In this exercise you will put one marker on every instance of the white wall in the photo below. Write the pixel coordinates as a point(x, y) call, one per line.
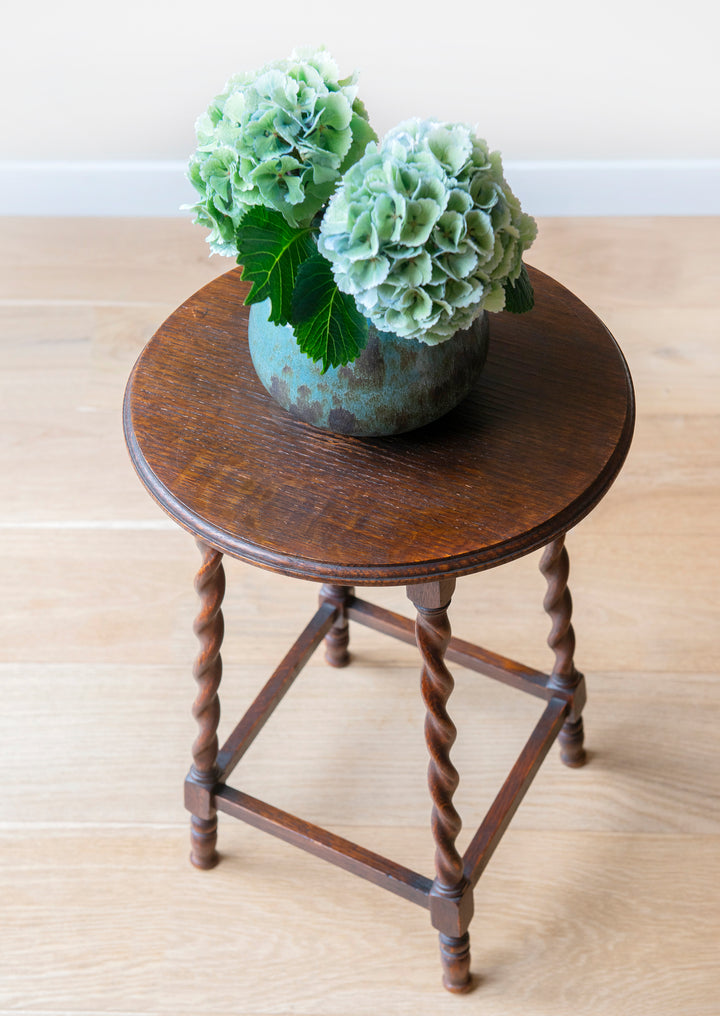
point(91, 89)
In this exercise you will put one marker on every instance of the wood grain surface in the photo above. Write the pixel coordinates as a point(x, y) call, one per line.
point(603, 897)
point(528, 454)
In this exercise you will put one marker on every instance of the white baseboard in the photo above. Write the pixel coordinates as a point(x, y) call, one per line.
point(94, 188)
point(619, 187)
point(561, 188)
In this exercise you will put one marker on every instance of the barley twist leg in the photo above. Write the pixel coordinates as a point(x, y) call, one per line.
point(451, 894)
point(433, 635)
point(555, 566)
point(207, 671)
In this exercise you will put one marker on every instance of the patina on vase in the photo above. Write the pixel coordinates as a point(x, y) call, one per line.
point(395, 385)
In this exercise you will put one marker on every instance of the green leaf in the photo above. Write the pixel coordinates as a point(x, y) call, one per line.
point(519, 295)
point(327, 324)
point(271, 252)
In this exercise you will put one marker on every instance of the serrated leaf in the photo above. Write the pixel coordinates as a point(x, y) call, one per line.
point(519, 295)
point(326, 322)
point(271, 251)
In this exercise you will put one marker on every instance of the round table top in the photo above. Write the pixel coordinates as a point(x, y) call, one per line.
point(529, 453)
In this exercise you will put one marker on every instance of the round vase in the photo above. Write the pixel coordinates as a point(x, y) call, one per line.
point(395, 385)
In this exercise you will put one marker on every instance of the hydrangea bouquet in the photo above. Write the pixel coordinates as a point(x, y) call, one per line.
point(417, 233)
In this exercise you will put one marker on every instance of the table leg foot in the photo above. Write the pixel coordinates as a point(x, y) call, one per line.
point(555, 566)
point(572, 751)
point(455, 958)
point(337, 639)
point(203, 840)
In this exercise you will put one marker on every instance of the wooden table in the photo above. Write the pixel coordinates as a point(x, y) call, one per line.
point(528, 454)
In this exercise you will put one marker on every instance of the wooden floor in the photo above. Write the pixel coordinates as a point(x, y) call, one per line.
point(604, 896)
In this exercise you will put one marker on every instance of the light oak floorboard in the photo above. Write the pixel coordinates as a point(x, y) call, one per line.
point(108, 595)
point(603, 898)
point(354, 746)
point(565, 922)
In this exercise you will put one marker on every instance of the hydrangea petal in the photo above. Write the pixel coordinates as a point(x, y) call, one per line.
point(364, 242)
point(414, 271)
point(450, 231)
point(459, 201)
point(450, 145)
point(279, 182)
point(267, 141)
point(480, 231)
point(387, 214)
point(369, 273)
point(420, 217)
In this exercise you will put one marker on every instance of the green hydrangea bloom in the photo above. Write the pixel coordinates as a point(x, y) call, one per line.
point(279, 137)
point(424, 231)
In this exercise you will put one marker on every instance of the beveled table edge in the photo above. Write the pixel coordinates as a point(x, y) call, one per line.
point(390, 574)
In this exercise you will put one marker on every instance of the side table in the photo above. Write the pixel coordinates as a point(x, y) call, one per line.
point(528, 454)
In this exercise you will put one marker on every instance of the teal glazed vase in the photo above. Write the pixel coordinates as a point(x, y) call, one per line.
point(395, 385)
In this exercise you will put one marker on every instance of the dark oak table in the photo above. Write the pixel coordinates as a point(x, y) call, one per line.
point(528, 454)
